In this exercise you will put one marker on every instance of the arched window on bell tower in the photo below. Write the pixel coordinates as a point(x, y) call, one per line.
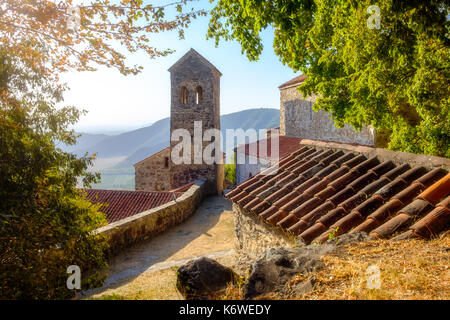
point(198, 95)
point(184, 95)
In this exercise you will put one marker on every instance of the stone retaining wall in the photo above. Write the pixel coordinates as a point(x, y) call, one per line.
point(254, 236)
point(148, 224)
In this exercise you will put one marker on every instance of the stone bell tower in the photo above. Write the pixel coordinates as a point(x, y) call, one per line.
point(195, 98)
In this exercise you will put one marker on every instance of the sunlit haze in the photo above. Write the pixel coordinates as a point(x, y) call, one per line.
point(116, 103)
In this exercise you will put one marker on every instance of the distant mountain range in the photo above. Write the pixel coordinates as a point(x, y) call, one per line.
point(132, 146)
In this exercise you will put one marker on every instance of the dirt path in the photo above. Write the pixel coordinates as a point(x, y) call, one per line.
point(147, 270)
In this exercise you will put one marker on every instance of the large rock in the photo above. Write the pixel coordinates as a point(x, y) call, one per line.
point(199, 278)
point(277, 266)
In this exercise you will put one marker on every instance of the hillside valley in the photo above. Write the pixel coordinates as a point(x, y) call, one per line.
point(116, 154)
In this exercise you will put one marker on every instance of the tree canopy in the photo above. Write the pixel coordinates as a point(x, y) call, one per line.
point(46, 223)
point(68, 35)
point(395, 77)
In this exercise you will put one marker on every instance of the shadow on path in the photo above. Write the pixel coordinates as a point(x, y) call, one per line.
point(208, 231)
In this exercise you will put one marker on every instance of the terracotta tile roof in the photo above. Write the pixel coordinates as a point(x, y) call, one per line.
point(286, 146)
point(183, 188)
point(122, 204)
point(316, 192)
point(296, 80)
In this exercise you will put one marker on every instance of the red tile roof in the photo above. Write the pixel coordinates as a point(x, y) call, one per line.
point(122, 204)
point(296, 80)
point(315, 192)
point(183, 188)
point(286, 146)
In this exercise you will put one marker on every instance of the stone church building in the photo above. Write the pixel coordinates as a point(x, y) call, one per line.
point(195, 96)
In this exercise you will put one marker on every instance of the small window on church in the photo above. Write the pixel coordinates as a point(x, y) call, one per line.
point(166, 162)
point(198, 95)
point(184, 95)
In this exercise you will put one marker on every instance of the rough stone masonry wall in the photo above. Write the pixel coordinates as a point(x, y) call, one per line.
point(190, 74)
point(298, 119)
point(148, 224)
point(151, 174)
point(254, 236)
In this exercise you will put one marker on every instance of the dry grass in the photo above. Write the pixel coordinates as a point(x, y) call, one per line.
point(157, 285)
point(154, 285)
point(412, 269)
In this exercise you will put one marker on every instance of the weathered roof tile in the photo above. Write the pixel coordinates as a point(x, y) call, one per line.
point(434, 222)
point(268, 212)
point(121, 204)
point(316, 192)
point(437, 190)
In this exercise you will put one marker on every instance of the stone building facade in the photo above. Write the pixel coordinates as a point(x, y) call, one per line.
point(153, 172)
point(298, 119)
point(195, 99)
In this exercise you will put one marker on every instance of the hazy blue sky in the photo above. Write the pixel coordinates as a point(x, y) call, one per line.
point(117, 103)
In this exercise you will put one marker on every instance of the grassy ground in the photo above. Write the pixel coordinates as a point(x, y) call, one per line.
point(155, 285)
point(413, 269)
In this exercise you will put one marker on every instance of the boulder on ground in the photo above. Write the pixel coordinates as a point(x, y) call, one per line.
point(273, 269)
point(202, 277)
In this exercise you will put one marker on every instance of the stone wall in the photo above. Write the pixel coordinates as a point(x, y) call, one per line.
point(254, 236)
point(152, 174)
point(298, 119)
point(148, 224)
